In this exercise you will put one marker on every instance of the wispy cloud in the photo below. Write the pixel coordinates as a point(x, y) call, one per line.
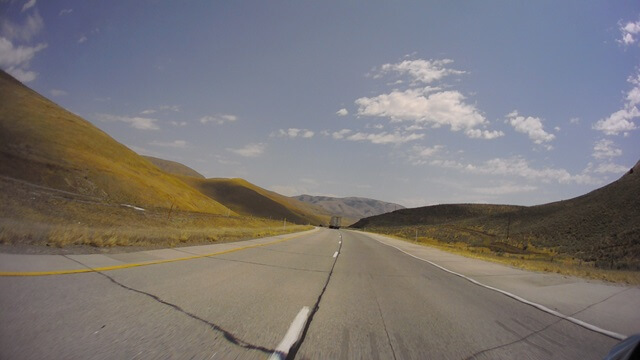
point(294, 133)
point(384, 137)
point(82, 39)
point(135, 122)
point(250, 150)
point(28, 5)
point(15, 59)
point(518, 166)
point(65, 12)
point(423, 155)
point(173, 144)
point(605, 149)
point(57, 92)
point(532, 126)
point(505, 189)
point(25, 32)
point(218, 119)
point(419, 70)
point(342, 112)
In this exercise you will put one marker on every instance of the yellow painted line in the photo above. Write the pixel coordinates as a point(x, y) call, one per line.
point(153, 262)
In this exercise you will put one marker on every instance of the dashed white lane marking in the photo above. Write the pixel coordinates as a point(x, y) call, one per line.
point(292, 335)
point(335, 254)
point(579, 322)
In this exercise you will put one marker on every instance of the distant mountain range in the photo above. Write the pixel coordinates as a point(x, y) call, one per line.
point(350, 207)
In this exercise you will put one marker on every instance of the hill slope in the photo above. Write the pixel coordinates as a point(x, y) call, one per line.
point(173, 168)
point(602, 227)
point(350, 207)
point(248, 199)
point(43, 144)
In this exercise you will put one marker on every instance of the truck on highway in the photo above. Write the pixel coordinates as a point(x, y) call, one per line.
point(335, 222)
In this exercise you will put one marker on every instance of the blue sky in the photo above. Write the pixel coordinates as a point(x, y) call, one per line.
point(413, 102)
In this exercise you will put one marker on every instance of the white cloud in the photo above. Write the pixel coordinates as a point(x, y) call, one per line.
point(483, 134)
point(250, 150)
point(446, 108)
point(618, 122)
point(385, 138)
point(178, 123)
point(148, 111)
point(342, 112)
point(24, 76)
point(340, 134)
point(293, 133)
point(574, 120)
point(517, 166)
point(621, 121)
point(173, 144)
point(135, 122)
point(12, 56)
point(31, 27)
point(82, 39)
point(420, 70)
point(218, 119)
point(421, 154)
point(29, 4)
point(15, 59)
point(605, 149)
point(65, 12)
point(532, 126)
point(609, 168)
point(57, 92)
point(628, 32)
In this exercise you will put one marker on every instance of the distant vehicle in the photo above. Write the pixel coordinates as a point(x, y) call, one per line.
point(335, 222)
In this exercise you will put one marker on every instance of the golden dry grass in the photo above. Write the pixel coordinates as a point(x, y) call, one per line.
point(533, 259)
point(43, 144)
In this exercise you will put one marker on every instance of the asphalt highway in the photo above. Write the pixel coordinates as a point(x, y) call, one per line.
point(363, 300)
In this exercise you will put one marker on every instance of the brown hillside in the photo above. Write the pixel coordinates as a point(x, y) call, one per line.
point(173, 168)
point(601, 227)
point(248, 199)
point(43, 144)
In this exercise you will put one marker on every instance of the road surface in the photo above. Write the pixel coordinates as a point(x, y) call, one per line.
point(365, 300)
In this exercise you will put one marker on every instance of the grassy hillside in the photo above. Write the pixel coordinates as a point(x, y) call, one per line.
point(350, 207)
point(601, 228)
point(248, 199)
point(43, 144)
point(173, 168)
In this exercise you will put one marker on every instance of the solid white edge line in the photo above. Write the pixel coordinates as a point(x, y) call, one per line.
point(335, 254)
point(579, 322)
point(292, 335)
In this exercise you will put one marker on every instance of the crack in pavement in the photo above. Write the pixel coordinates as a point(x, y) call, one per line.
point(538, 332)
point(294, 349)
point(382, 317)
point(226, 334)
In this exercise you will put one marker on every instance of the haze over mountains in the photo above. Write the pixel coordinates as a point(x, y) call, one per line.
point(350, 207)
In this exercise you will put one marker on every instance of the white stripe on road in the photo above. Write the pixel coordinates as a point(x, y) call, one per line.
point(292, 336)
point(579, 322)
point(335, 254)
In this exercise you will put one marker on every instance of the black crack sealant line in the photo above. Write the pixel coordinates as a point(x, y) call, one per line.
point(294, 349)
